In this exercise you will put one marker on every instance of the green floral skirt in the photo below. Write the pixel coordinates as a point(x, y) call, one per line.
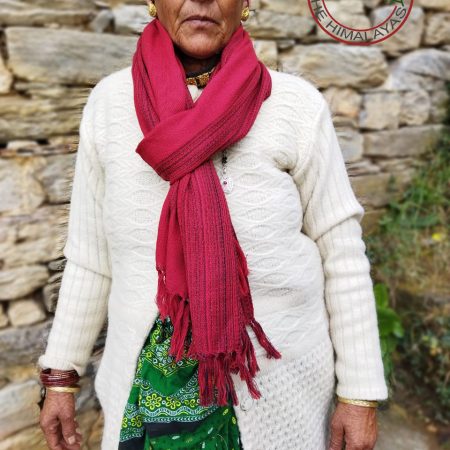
point(163, 411)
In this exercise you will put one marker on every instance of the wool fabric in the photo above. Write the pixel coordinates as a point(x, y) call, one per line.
point(202, 270)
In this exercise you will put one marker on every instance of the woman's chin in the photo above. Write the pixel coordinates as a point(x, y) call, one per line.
point(201, 47)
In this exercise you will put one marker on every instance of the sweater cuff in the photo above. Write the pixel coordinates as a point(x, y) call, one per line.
point(53, 362)
point(379, 392)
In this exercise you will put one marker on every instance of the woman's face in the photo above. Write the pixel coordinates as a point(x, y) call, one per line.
point(200, 39)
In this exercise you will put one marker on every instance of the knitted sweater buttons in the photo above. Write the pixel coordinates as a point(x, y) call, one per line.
point(247, 403)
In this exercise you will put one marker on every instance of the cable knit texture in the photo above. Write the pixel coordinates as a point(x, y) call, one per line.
point(298, 222)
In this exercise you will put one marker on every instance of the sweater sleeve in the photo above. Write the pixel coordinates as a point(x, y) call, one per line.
point(332, 216)
point(85, 285)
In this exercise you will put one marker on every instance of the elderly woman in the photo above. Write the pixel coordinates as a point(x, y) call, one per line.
point(214, 225)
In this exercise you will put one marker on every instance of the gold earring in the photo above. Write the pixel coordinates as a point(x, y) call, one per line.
point(152, 9)
point(245, 14)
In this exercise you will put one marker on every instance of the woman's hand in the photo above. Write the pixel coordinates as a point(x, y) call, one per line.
point(58, 421)
point(356, 426)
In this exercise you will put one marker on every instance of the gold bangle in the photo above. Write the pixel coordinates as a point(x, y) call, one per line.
point(64, 388)
point(366, 403)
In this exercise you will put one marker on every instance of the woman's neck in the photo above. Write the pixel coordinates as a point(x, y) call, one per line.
point(194, 65)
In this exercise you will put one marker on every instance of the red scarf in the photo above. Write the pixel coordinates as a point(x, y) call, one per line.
point(202, 270)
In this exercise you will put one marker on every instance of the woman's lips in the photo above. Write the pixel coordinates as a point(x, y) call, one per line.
point(200, 23)
point(197, 22)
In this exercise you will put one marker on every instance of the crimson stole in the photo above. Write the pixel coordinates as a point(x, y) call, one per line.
point(202, 270)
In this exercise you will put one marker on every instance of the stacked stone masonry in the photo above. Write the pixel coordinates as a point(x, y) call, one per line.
point(388, 103)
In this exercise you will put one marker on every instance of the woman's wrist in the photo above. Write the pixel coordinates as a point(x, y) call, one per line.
point(358, 402)
point(57, 380)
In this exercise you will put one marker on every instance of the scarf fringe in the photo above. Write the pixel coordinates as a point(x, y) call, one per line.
point(214, 374)
point(177, 309)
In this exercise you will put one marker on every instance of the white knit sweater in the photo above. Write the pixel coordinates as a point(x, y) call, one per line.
point(296, 218)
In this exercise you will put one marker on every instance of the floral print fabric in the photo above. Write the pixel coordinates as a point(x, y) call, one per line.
point(163, 410)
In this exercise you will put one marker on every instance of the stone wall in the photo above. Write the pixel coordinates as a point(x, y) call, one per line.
point(387, 100)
